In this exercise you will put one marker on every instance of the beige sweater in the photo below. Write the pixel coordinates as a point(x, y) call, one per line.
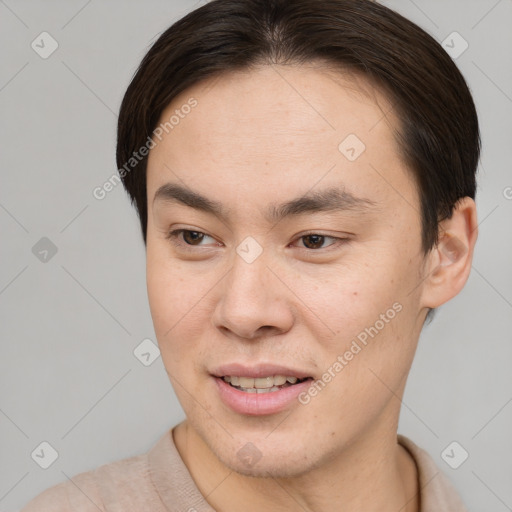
point(159, 481)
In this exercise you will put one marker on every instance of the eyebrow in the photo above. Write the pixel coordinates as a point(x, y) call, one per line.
point(332, 199)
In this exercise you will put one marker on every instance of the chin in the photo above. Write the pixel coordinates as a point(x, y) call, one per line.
point(269, 462)
point(267, 470)
point(254, 453)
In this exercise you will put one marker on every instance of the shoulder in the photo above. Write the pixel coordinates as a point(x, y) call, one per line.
point(90, 491)
point(436, 490)
point(78, 494)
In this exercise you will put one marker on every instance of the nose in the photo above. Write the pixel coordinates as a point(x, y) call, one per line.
point(253, 301)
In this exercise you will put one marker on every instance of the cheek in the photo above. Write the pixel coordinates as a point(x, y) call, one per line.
point(172, 288)
point(179, 301)
point(168, 296)
point(347, 297)
point(368, 317)
point(364, 364)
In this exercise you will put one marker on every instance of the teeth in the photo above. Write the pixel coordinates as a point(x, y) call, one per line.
point(279, 380)
point(273, 388)
point(246, 382)
point(260, 384)
point(264, 383)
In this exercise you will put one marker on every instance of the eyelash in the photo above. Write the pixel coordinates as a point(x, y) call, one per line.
point(173, 237)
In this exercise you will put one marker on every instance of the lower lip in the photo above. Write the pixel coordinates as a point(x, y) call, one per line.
point(258, 404)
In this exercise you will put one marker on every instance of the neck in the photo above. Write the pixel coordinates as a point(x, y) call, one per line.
point(374, 473)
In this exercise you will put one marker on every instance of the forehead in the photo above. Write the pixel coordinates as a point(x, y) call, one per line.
point(276, 131)
point(306, 100)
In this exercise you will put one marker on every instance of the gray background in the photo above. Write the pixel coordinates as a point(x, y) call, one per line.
point(69, 325)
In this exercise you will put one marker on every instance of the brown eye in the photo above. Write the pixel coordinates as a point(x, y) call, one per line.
point(318, 243)
point(187, 239)
point(314, 241)
point(192, 237)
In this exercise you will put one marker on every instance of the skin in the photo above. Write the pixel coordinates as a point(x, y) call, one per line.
point(257, 138)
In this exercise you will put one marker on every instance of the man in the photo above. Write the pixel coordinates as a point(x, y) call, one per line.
point(304, 173)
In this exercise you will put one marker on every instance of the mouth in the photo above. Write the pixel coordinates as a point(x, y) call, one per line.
point(257, 394)
point(261, 385)
point(260, 389)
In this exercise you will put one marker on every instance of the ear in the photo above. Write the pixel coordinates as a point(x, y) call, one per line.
point(449, 262)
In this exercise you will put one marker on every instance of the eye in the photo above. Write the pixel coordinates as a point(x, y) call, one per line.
point(315, 241)
point(190, 238)
point(186, 239)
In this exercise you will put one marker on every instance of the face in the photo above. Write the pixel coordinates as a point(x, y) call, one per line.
point(301, 258)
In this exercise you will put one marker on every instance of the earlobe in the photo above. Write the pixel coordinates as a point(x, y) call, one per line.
point(450, 260)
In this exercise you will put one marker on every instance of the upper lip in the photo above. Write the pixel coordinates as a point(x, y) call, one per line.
point(259, 370)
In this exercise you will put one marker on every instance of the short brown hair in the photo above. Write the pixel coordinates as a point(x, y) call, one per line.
point(439, 134)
